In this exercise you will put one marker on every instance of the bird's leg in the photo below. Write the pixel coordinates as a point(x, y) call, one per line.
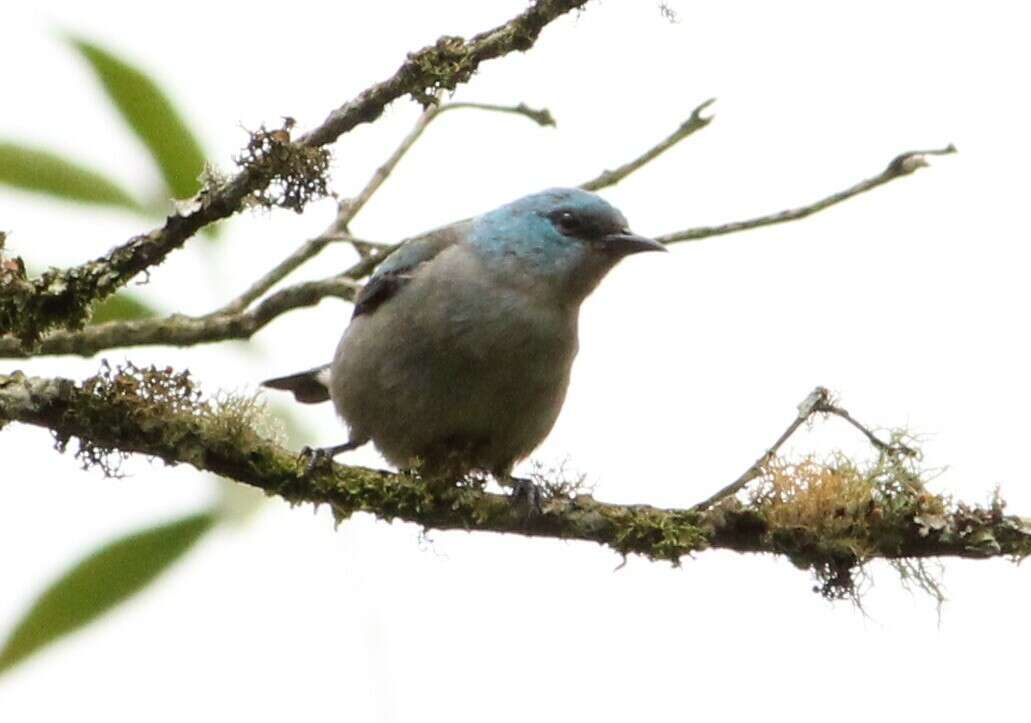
point(320, 455)
point(523, 490)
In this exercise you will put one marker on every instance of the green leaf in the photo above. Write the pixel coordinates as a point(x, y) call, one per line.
point(122, 306)
point(34, 169)
point(151, 115)
point(101, 581)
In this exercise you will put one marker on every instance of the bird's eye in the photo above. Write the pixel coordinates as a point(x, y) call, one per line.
point(567, 223)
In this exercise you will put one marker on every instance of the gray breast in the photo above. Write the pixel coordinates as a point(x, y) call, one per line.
point(455, 371)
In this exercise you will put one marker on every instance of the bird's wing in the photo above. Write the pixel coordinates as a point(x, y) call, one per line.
point(312, 386)
point(402, 265)
point(308, 387)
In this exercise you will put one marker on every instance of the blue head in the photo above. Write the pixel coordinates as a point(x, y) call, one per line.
point(562, 241)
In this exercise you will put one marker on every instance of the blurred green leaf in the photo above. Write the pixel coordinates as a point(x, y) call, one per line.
point(122, 306)
point(34, 169)
point(102, 580)
point(151, 115)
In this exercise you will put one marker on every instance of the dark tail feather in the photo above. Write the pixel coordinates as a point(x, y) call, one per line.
point(309, 387)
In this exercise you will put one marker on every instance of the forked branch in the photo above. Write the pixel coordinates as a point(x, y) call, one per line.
point(231, 322)
point(63, 298)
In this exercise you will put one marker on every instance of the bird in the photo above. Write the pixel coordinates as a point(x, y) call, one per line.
point(459, 349)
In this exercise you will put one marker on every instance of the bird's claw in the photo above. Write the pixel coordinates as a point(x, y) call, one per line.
point(312, 458)
point(524, 490)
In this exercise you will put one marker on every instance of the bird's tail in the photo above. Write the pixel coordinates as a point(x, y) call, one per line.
point(308, 387)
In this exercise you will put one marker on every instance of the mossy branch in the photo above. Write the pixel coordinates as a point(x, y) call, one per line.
point(292, 169)
point(348, 208)
point(829, 517)
point(182, 330)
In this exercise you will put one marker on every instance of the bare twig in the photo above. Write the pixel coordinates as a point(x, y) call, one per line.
point(901, 165)
point(303, 252)
point(63, 298)
point(366, 248)
point(813, 403)
point(230, 323)
point(540, 116)
point(347, 209)
point(150, 331)
point(818, 402)
point(825, 406)
point(694, 123)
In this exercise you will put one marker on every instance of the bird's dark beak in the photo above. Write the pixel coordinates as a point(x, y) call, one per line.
point(624, 243)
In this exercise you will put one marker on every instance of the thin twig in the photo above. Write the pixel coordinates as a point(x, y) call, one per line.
point(348, 209)
point(902, 165)
point(350, 238)
point(303, 252)
point(826, 407)
point(809, 406)
point(694, 123)
point(62, 298)
point(365, 248)
point(540, 116)
point(818, 402)
point(86, 342)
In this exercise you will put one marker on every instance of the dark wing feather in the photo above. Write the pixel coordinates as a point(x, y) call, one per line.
point(312, 386)
point(402, 265)
point(379, 289)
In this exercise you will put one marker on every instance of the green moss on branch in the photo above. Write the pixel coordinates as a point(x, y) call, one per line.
point(829, 518)
point(63, 298)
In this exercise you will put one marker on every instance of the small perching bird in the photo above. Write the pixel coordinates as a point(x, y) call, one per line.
point(458, 355)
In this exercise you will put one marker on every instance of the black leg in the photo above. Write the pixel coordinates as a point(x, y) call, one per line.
point(524, 490)
point(345, 447)
point(318, 455)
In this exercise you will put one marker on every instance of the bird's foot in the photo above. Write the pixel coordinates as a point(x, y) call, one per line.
point(526, 492)
point(314, 457)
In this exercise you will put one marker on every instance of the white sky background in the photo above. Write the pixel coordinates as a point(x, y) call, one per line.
point(910, 302)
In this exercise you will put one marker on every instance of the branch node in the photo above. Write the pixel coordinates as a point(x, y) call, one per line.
point(906, 163)
point(64, 298)
point(817, 397)
point(541, 116)
point(696, 115)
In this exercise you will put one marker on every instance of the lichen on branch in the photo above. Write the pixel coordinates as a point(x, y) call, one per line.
point(290, 175)
point(829, 517)
point(63, 298)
